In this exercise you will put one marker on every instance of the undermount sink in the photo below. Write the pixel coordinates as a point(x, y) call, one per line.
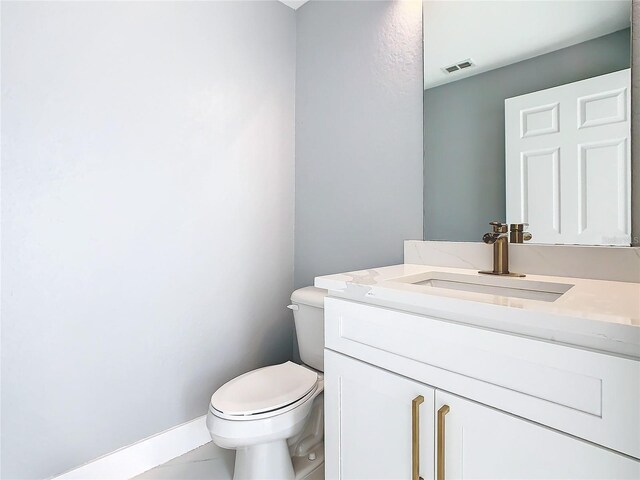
point(502, 286)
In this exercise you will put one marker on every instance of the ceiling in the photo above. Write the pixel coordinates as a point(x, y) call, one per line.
point(495, 33)
point(295, 4)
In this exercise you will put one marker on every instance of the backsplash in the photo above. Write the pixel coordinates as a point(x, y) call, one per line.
point(596, 262)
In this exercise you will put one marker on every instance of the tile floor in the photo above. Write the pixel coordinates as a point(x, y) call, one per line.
point(205, 463)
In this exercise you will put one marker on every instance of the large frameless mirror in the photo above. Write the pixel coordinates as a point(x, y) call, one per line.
point(527, 119)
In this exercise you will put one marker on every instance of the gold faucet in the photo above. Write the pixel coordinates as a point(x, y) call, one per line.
point(499, 237)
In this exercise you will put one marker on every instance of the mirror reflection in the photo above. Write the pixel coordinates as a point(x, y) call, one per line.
point(527, 119)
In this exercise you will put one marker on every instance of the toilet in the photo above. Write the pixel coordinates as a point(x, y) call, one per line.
point(273, 416)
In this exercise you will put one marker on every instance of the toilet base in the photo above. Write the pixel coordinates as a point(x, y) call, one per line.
point(311, 465)
point(268, 461)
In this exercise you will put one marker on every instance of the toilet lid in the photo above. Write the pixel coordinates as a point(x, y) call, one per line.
point(265, 389)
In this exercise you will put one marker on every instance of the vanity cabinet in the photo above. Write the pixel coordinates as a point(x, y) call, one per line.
point(517, 407)
point(371, 415)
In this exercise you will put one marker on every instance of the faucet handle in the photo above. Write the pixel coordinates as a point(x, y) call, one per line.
point(499, 227)
point(490, 238)
point(518, 235)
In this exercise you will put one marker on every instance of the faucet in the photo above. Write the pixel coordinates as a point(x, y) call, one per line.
point(499, 237)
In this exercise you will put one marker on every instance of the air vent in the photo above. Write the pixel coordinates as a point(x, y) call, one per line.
point(461, 65)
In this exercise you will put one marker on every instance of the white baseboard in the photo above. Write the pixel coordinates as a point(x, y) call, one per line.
point(135, 459)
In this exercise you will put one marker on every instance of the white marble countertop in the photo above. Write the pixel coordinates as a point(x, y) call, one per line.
point(595, 314)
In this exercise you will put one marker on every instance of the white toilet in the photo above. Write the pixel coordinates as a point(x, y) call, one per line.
point(273, 416)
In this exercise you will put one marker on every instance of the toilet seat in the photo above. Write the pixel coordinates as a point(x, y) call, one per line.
point(264, 392)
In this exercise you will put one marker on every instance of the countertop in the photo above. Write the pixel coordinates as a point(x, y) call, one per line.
point(594, 314)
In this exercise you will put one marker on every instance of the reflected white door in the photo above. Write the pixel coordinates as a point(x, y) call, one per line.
point(568, 171)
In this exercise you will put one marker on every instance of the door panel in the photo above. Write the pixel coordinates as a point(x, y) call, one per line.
point(602, 185)
point(540, 198)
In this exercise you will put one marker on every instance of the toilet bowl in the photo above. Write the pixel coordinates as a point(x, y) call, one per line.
point(273, 416)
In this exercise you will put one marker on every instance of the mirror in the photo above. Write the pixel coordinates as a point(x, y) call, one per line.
point(527, 119)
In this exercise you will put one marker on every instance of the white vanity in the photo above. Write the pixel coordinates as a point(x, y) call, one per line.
point(435, 372)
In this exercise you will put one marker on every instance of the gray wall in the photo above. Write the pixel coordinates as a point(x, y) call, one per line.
point(464, 179)
point(358, 134)
point(147, 216)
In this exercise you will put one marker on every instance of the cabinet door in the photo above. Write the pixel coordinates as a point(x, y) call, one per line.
point(369, 422)
point(481, 442)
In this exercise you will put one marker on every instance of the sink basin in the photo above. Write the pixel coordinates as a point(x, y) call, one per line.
point(502, 286)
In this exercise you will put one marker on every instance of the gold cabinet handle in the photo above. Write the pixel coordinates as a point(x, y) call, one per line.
point(440, 469)
point(415, 437)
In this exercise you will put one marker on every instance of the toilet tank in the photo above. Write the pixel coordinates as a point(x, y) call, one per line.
point(308, 313)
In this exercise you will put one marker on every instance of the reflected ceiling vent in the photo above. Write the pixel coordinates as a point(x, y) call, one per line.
point(461, 65)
